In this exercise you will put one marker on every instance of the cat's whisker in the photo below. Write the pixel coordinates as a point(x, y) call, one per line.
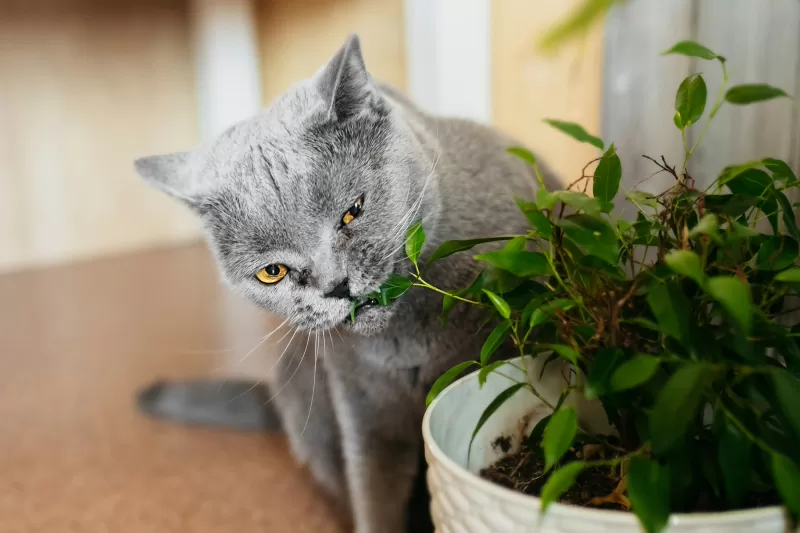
point(258, 382)
point(412, 211)
point(284, 351)
point(399, 229)
point(254, 348)
point(302, 358)
point(338, 333)
point(314, 381)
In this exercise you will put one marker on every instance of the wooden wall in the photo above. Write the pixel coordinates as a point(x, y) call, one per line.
point(300, 36)
point(760, 39)
point(86, 86)
point(528, 86)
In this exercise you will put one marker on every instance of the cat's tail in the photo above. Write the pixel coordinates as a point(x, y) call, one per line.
point(221, 403)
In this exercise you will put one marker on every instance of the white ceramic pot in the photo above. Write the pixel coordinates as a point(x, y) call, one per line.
point(463, 502)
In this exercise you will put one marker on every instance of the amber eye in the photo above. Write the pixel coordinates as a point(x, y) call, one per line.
point(353, 212)
point(272, 273)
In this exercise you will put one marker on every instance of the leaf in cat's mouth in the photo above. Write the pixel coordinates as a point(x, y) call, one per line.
point(391, 289)
point(358, 304)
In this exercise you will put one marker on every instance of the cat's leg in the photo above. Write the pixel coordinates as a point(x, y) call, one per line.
point(300, 393)
point(380, 421)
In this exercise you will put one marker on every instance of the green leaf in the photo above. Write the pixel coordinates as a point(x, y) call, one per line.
point(734, 295)
point(787, 391)
point(523, 153)
point(708, 225)
point(677, 405)
point(624, 225)
point(494, 340)
point(645, 323)
point(544, 199)
point(576, 131)
point(517, 244)
point(415, 238)
point(395, 287)
point(791, 275)
point(445, 379)
point(448, 302)
point(598, 378)
point(780, 170)
point(649, 491)
point(732, 205)
point(560, 481)
point(578, 200)
point(577, 22)
point(607, 176)
point(522, 264)
point(733, 457)
point(595, 235)
point(738, 232)
point(494, 406)
point(634, 372)
point(353, 306)
point(543, 313)
point(537, 219)
point(448, 248)
point(730, 172)
point(690, 101)
point(534, 440)
point(777, 252)
point(558, 435)
point(671, 309)
point(787, 481)
point(752, 92)
point(499, 304)
point(789, 215)
point(485, 371)
point(692, 49)
point(686, 264)
point(641, 198)
point(566, 352)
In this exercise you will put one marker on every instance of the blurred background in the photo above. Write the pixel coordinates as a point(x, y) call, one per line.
point(104, 285)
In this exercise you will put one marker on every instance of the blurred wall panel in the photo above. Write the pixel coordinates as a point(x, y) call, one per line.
point(299, 36)
point(529, 86)
point(86, 86)
point(761, 41)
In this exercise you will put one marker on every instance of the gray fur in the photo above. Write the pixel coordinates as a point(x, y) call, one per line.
point(274, 189)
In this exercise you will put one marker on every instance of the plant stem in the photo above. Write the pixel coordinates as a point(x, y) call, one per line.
point(424, 284)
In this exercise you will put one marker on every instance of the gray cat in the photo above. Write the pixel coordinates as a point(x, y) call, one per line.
point(306, 207)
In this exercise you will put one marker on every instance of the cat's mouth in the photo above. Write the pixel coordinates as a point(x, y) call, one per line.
point(359, 305)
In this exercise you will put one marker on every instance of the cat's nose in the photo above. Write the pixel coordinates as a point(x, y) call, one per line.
point(341, 290)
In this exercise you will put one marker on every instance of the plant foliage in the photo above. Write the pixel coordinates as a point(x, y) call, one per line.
point(675, 321)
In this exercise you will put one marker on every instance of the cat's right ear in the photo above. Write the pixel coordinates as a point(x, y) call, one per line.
point(345, 85)
point(171, 173)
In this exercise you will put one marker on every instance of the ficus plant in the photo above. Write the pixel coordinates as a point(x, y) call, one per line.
point(675, 322)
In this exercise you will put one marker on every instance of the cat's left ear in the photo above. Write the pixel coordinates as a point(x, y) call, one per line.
point(345, 85)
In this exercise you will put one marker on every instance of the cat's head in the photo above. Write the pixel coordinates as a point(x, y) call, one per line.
point(306, 205)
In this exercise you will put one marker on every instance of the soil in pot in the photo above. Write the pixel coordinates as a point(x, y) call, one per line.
point(599, 488)
point(524, 472)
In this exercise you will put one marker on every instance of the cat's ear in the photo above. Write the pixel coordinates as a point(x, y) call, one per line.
point(171, 173)
point(345, 85)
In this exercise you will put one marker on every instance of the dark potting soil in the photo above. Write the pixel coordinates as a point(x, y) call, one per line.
point(524, 472)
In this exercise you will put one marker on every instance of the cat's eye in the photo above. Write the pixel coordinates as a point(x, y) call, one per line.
point(353, 212)
point(272, 273)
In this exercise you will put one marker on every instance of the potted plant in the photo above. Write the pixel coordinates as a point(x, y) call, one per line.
point(655, 371)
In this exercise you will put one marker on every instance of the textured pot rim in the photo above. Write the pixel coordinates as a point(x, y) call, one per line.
point(575, 511)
